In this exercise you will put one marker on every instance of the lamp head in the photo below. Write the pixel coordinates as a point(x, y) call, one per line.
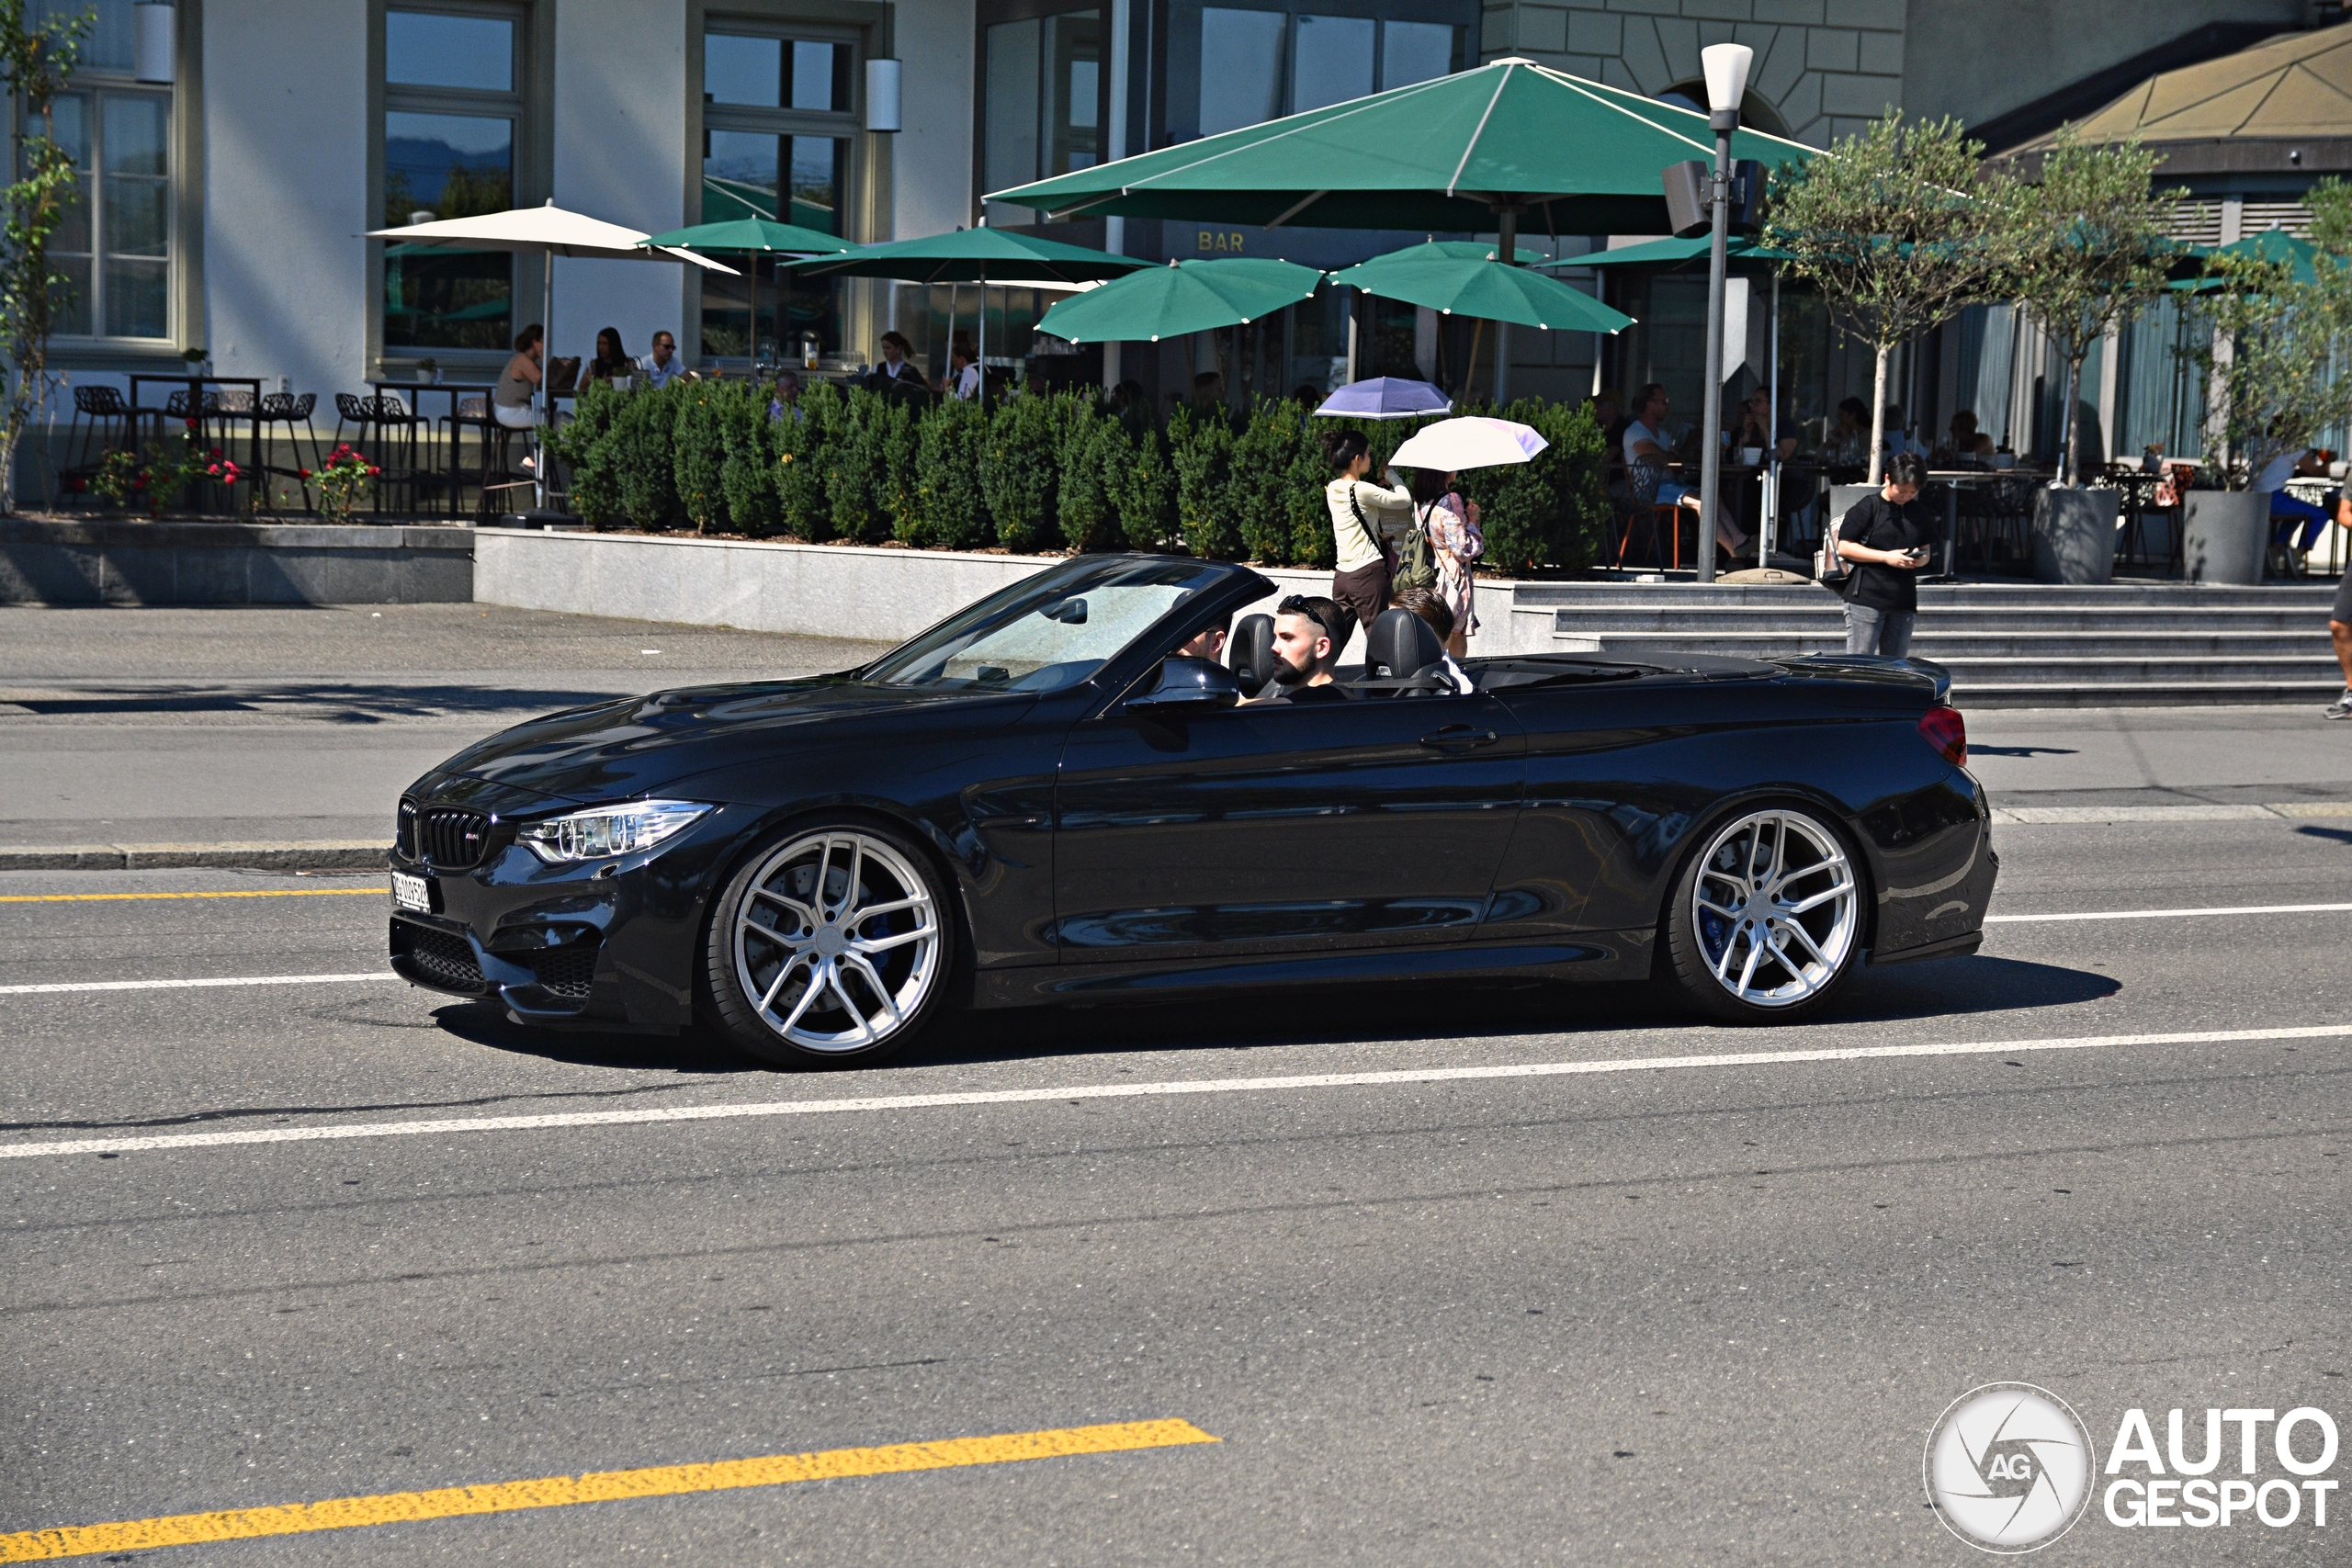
point(1725, 66)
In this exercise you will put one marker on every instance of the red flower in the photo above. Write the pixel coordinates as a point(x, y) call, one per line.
point(214, 453)
point(304, 473)
point(214, 471)
point(191, 425)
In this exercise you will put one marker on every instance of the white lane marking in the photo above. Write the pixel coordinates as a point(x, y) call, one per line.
point(1131, 1091)
point(2174, 914)
point(181, 985)
point(2291, 810)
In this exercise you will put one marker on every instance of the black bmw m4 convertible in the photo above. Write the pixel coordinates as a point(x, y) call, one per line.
point(1041, 800)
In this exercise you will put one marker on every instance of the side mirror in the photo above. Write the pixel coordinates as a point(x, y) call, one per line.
point(1188, 685)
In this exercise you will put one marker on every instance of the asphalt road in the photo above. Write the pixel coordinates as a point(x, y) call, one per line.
point(1703, 1314)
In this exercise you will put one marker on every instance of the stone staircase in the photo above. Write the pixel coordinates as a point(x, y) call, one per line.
point(2007, 645)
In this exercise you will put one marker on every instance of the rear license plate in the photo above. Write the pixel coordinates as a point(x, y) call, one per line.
point(411, 893)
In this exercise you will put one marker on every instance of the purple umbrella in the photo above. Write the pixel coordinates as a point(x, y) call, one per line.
point(1386, 397)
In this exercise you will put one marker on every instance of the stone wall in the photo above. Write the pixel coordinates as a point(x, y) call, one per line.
point(128, 562)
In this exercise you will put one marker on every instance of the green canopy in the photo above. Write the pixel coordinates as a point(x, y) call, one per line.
point(1479, 249)
point(760, 235)
point(973, 256)
point(1464, 286)
point(1513, 139)
point(1183, 297)
point(1668, 253)
point(2274, 246)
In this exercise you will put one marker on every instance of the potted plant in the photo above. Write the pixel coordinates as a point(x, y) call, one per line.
point(2089, 250)
point(2265, 342)
point(199, 360)
point(429, 371)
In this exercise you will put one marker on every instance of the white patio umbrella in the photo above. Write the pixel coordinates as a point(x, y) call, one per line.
point(1470, 442)
point(550, 231)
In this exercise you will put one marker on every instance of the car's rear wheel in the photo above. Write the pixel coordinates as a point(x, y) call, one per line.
point(830, 945)
point(1766, 922)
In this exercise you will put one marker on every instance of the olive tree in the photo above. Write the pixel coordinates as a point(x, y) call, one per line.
point(1900, 228)
point(2090, 252)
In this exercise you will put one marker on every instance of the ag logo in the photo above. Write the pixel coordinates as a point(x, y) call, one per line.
point(2009, 1467)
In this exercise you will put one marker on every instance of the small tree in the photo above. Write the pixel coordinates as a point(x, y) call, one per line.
point(2265, 346)
point(2091, 253)
point(1900, 229)
point(35, 60)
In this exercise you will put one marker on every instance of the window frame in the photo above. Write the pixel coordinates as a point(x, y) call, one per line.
point(1182, 89)
point(183, 227)
point(527, 104)
point(996, 13)
point(864, 195)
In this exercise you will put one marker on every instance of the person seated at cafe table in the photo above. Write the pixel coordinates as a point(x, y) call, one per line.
point(786, 402)
point(610, 362)
point(1647, 453)
point(1754, 420)
point(663, 366)
point(897, 376)
point(510, 400)
point(1963, 436)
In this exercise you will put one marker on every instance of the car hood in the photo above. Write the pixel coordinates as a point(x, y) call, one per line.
point(615, 749)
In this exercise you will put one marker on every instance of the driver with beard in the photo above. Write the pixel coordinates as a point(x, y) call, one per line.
point(1308, 636)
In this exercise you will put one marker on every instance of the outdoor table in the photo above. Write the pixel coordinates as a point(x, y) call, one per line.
point(197, 411)
point(415, 392)
point(2138, 487)
point(1954, 480)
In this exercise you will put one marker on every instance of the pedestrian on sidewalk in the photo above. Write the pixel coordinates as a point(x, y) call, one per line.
point(2339, 628)
point(1366, 520)
point(1883, 540)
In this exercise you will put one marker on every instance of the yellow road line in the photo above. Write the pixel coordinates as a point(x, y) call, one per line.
point(256, 893)
point(604, 1486)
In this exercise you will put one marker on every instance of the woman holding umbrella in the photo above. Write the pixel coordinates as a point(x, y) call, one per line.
point(1365, 518)
point(1452, 524)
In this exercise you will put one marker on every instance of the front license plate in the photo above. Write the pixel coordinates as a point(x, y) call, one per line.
point(411, 893)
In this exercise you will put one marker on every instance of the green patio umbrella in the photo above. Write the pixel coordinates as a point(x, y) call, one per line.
point(981, 255)
point(755, 236)
point(1490, 148)
point(1668, 253)
point(2274, 246)
point(1180, 297)
point(1467, 285)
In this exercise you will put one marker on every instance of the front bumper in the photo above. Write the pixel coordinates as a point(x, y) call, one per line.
point(608, 944)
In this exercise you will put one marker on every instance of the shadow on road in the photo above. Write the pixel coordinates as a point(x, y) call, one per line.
point(339, 702)
point(1375, 1014)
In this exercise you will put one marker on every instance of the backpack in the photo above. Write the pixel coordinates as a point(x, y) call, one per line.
point(1417, 561)
point(1831, 570)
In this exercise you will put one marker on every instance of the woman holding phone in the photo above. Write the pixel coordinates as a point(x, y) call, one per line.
point(1883, 540)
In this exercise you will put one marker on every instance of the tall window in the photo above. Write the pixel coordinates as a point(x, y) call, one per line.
point(778, 117)
point(115, 247)
point(1258, 65)
point(452, 101)
point(1042, 102)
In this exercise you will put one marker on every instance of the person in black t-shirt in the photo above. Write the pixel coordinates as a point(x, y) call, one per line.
point(1883, 540)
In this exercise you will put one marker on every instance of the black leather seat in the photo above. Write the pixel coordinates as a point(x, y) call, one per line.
point(1402, 646)
point(1249, 653)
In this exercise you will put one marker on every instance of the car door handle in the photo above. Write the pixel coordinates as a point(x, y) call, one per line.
point(1460, 738)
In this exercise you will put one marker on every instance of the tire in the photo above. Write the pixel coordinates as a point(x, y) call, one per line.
point(1766, 922)
point(829, 947)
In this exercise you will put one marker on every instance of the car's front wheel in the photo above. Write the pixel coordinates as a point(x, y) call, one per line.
point(829, 945)
point(1766, 921)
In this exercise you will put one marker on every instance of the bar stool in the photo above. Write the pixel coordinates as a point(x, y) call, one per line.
point(102, 422)
point(291, 409)
point(394, 420)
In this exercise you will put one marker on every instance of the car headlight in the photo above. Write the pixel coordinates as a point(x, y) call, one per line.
point(603, 831)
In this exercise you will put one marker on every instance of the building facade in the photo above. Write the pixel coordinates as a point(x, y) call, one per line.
point(231, 180)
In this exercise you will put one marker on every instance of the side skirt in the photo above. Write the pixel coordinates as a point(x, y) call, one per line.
point(1596, 955)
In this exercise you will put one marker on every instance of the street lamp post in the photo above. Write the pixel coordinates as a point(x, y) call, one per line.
point(1725, 65)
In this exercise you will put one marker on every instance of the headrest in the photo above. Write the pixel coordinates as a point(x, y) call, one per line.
point(1402, 644)
point(1249, 653)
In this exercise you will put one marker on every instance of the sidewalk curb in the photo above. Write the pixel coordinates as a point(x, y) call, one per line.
point(2291, 811)
point(316, 854)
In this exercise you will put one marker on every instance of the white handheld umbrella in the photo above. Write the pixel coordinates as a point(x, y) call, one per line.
point(551, 232)
point(1471, 442)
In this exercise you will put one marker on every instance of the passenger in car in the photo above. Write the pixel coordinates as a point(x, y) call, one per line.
point(1208, 642)
point(1308, 636)
point(1439, 615)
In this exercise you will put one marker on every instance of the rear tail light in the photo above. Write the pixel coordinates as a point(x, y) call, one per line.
point(1947, 732)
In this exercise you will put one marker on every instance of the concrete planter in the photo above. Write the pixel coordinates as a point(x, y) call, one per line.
point(2225, 535)
point(128, 562)
point(2073, 535)
point(847, 591)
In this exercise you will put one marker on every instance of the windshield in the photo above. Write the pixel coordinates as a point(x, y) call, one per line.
point(1051, 631)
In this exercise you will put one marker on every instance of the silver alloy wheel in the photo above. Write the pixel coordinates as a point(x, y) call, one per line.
point(1776, 909)
point(837, 941)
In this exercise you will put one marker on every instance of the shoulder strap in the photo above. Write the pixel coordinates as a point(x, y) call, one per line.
point(1362, 526)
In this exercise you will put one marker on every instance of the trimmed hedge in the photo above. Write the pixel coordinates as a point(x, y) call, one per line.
point(1041, 473)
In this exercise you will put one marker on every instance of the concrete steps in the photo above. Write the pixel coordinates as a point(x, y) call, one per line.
point(2006, 644)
